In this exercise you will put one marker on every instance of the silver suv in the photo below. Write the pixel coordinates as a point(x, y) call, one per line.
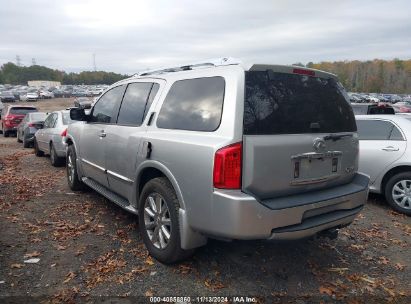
point(222, 150)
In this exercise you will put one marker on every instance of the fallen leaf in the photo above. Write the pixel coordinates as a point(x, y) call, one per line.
point(32, 261)
point(399, 266)
point(149, 261)
point(16, 266)
point(69, 277)
point(383, 260)
point(326, 290)
point(60, 247)
point(149, 293)
point(32, 255)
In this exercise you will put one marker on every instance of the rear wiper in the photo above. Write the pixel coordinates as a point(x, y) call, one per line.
point(335, 137)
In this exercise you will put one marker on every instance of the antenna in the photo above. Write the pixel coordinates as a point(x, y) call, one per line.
point(18, 60)
point(33, 61)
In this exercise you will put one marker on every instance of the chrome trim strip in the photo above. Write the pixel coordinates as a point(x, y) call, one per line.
point(93, 164)
point(121, 177)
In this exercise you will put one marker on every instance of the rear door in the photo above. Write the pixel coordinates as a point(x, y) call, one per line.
point(123, 139)
point(299, 133)
point(381, 144)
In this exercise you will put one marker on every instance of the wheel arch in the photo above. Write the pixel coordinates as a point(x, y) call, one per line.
point(152, 169)
point(391, 172)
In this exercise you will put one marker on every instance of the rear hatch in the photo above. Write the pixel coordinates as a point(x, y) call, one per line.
point(299, 132)
point(16, 114)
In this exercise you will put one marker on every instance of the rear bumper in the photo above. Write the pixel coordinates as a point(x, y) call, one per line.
point(236, 215)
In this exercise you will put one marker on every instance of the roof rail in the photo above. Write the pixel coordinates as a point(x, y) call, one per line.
point(186, 67)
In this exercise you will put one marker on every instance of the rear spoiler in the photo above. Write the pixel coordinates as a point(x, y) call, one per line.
point(291, 69)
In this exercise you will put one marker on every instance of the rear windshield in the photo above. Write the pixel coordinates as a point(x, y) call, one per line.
point(38, 116)
point(66, 119)
point(22, 111)
point(280, 103)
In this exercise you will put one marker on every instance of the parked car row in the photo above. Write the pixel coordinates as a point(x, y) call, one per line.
point(377, 97)
point(9, 93)
point(208, 151)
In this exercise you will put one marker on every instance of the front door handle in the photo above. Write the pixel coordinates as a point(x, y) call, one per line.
point(390, 149)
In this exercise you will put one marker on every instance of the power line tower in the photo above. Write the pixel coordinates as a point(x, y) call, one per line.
point(33, 61)
point(94, 62)
point(18, 60)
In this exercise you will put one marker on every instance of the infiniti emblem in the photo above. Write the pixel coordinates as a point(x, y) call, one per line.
point(319, 144)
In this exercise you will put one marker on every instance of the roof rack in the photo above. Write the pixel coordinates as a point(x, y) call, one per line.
point(186, 67)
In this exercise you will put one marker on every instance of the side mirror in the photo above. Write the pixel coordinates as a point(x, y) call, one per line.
point(78, 114)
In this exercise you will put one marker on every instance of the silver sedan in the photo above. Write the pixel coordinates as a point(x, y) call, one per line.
point(50, 139)
point(386, 156)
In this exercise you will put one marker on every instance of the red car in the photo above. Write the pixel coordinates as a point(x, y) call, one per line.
point(11, 116)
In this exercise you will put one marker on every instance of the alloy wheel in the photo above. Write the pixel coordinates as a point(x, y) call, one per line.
point(70, 168)
point(157, 220)
point(401, 194)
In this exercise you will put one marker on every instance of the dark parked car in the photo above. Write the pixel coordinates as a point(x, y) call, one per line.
point(29, 126)
point(11, 117)
point(7, 96)
point(82, 103)
point(372, 108)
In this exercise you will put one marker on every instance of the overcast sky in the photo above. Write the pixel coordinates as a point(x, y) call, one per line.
point(131, 35)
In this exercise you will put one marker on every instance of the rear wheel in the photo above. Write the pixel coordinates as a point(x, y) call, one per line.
point(26, 143)
point(72, 175)
point(159, 222)
point(55, 160)
point(37, 151)
point(6, 133)
point(18, 137)
point(398, 192)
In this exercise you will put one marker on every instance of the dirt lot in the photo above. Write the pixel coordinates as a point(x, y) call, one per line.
point(88, 247)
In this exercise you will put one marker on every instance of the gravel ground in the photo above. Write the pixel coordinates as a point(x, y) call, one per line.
point(90, 250)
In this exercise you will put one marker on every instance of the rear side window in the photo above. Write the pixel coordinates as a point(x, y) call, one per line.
point(377, 130)
point(21, 110)
point(134, 103)
point(193, 104)
point(107, 105)
point(280, 103)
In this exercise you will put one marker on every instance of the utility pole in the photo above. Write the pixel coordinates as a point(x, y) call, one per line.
point(33, 61)
point(94, 62)
point(18, 60)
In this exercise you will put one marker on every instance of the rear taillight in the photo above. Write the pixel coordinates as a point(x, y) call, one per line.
point(227, 167)
point(64, 133)
point(32, 125)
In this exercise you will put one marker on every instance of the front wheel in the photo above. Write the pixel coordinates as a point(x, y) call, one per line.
point(398, 192)
point(26, 144)
point(72, 175)
point(55, 160)
point(159, 222)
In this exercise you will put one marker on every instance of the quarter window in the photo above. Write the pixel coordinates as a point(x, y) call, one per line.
point(377, 130)
point(134, 103)
point(105, 108)
point(193, 104)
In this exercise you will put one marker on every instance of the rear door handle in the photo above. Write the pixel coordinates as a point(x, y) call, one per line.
point(390, 149)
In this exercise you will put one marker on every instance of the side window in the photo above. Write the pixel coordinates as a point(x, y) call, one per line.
point(374, 129)
point(153, 93)
point(193, 104)
point(48, 121)
point(396, 134)
point(53, 122)
point(134, 103)
point(105, 108)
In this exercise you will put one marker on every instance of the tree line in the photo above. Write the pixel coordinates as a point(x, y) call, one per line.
point(14, 74)
point(373, 76)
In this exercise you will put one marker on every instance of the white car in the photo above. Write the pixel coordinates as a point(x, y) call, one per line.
point(32, 96)
point(46, 94)
point(385, 157)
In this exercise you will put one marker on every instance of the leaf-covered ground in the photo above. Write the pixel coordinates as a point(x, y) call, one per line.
point(59, 246)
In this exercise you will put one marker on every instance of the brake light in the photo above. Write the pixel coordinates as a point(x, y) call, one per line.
point(304, 72)
point(31, 124)
point(227, 167)
point(64, 133)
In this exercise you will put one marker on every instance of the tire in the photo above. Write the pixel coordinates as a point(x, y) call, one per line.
point(73, 180)
point(165, 250)
point(55, 160)
point(37, 151)
point(26, 144)
point(6, 133)
point(397, 190)
point(18, 137)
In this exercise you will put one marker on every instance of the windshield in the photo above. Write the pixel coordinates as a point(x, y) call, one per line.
point(22, 110)
point(282, 103)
